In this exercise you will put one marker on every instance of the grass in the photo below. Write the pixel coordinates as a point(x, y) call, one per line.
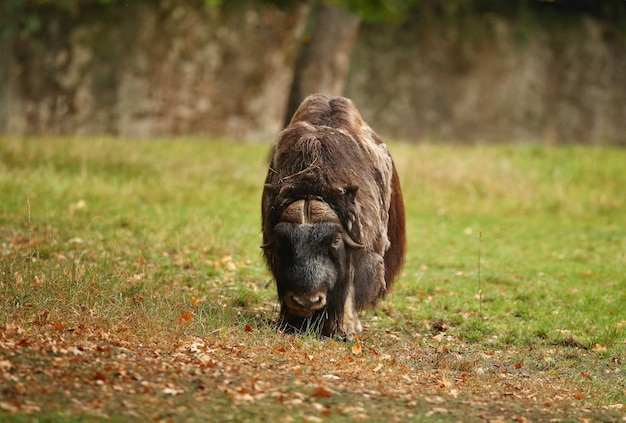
point(132, 286)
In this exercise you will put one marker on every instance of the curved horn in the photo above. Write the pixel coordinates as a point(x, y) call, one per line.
point(320, 211)
point(294, 213)
point(347, 239)
point(309, 211)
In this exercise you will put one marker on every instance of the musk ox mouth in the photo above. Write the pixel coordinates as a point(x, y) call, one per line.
point(303, 305)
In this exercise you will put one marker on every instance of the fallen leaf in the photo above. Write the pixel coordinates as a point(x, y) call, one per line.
point(437, 410)
point(435, 400)
point(207, 361)
point(13, 327)
point(599, 348)
point(197, 300)
point(321, 392)
point(357, 349)
point(11, 406)
point(100, 376)
point(185, 317)
point(439, 337)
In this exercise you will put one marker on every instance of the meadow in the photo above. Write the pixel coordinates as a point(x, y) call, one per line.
point(132, 287)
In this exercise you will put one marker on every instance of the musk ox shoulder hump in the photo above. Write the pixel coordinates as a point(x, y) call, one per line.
point(328, 151)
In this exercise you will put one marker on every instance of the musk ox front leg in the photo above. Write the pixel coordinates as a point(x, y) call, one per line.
point(350, 323)
point(340, 319)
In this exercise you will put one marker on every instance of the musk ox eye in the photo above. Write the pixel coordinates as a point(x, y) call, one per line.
point(336, 242)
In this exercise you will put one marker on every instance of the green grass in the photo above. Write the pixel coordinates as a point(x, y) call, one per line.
point(548, 225)
point(127, 251)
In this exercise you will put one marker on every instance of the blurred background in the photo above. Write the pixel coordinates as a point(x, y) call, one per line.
point(452, 71)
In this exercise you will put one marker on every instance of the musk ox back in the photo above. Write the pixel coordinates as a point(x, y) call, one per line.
point(333, 217)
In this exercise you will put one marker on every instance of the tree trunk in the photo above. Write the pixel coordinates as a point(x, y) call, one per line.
point(5, 73)
point(323, 61)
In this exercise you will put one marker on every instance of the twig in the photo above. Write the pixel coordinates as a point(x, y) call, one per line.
point(30, 238)
point(480, 291)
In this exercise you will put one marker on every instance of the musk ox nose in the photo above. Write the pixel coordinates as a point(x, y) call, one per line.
point(312, 301)
point(305, 304)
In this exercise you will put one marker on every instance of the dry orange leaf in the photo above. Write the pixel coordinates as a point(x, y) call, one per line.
point(321, 392)
point(357, 349)
point(185, 317)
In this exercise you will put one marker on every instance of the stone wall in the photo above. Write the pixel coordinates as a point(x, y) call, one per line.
point(145, 69)
point(172, 68)
point(491, 79)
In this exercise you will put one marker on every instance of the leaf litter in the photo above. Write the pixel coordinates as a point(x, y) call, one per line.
point(77, 365)
point(90, 371)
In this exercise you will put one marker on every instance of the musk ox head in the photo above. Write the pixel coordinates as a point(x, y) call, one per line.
point(312, 248)
point(333, 217)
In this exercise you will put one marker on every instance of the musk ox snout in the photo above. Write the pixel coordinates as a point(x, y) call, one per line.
point(303, 305)
point(310, 258)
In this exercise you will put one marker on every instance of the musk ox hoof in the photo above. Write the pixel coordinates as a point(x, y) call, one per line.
point(351, 325)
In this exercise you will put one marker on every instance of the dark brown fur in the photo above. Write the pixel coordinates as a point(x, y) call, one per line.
point(328, 153)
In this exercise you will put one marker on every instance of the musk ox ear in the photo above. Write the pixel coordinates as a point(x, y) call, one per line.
point(271, 189)
point(349, 191)
point(344, 198)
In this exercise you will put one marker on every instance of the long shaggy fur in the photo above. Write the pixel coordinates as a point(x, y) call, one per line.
point(329, 153)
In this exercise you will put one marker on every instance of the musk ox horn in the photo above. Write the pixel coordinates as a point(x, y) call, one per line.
point(314, 211)
point(309, 211)
point(347, 239)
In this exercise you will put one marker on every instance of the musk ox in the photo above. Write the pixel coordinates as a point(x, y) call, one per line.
point(332, 216)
